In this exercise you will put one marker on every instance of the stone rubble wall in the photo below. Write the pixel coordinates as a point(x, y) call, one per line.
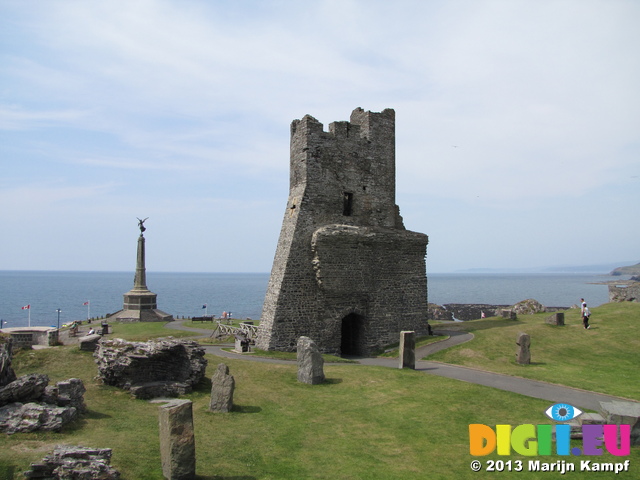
point(7, 374)
point(474, 311)
point(627, 293)
point(178, 363)
point(74, 462)
point(28, 404)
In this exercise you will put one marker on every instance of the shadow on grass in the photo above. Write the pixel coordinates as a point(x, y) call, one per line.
point(81, 422)
point(218, 477)
point(203, 385)
point(95, 415)
point(7, 471)
point(246, 409)
point(332, 381)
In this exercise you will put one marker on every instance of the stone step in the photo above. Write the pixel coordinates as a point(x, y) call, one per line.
point(623, 413)
point(591, 419)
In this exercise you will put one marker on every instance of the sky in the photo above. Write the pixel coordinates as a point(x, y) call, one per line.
point(517, 126)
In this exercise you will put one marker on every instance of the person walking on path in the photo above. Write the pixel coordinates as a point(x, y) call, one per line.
point(586, 313)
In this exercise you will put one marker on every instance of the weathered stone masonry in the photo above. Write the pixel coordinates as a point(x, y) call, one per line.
point(346, 272)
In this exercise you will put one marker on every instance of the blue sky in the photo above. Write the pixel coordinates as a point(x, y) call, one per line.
point(517, 126)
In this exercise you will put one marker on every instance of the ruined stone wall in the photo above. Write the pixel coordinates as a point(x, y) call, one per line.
point(626, 293)
point(343, 249)
point(128, 364)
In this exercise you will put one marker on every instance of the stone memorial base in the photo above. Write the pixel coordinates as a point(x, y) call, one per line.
point(152, 315)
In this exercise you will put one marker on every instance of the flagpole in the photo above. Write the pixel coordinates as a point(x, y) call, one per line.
point(28, 307)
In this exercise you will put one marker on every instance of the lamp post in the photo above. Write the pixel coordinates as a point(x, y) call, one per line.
point(58, 310)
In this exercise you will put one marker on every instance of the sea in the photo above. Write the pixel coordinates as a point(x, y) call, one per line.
point(82, 295)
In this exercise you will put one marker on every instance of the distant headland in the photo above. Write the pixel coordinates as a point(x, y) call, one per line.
point(633, 270)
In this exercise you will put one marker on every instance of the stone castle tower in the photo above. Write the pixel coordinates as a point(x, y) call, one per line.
point(346, 272)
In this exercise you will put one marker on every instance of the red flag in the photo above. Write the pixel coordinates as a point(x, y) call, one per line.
point(26, 307)
point(85, 303)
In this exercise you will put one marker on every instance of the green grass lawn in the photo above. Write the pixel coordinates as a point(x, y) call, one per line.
point(605, 358)
point(363, 423)
point(137, 332)
point(211, 325)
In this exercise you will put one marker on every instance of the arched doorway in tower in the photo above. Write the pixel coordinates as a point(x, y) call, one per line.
point(352, 340)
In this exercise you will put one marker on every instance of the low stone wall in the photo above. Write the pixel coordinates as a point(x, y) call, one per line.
point(474, 311)
point(471, 311)
point(30, 336)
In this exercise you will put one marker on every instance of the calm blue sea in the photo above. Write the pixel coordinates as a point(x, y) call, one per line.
point(184, 294)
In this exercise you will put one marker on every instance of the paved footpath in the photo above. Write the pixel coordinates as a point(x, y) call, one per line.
point(531, 388)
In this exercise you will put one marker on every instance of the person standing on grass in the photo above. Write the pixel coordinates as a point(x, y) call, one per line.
point(585, 316)
point(583, 305)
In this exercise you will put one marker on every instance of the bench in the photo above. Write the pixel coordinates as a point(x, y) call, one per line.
point(208, 318)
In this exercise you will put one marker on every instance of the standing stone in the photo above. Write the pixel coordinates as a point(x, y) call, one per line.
point(241, 343)
point(523, 354)
point(310, 362)
point(222, 386)
point(89, 343)
point(177, 441)
point(408, 350)
point(556, 319)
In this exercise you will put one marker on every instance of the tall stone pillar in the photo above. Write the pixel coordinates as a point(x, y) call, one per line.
point(139, 297)
point(407, 351)
point(177, 441)
point(140, 304)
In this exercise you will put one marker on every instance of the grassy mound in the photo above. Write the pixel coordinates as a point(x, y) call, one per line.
point(603, 359)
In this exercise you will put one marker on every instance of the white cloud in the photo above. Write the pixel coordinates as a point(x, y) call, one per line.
point(18, 118)
point(154, 98)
